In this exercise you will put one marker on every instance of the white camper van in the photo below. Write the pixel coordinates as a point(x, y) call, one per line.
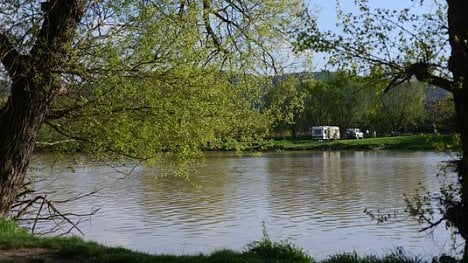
point(325, 132)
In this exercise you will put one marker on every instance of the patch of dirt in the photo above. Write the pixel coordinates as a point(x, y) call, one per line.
point(31, 255)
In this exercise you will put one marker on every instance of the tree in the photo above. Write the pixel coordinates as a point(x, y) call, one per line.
point(403, 106)
point(351, 99)
point(34, 88)
point(431, 47)
point(316, 106)
point(440, 111)
point(284, 103)
point(338, 99)
point(140, 79)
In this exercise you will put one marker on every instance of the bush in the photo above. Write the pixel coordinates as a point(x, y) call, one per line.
point(282, 251)
point(397, 256)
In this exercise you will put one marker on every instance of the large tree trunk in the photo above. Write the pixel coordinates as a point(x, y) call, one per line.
point(458, 215)
point(20, 121)
point(458, 65)
point(35, 86)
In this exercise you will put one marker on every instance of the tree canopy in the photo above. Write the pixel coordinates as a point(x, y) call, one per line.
point(148, 77)
point(150, 80)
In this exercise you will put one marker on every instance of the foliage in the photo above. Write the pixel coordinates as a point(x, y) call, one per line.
point(410, 142)
point(283, 251)
point(441, 114)
point(315, 103)
point(284, 102)
point(150, 80)
point(396, 256)
point(157, 80)
point(403, 107)
point(165, 118)
point(383, 38)
point(345, 100)
point(392, 47)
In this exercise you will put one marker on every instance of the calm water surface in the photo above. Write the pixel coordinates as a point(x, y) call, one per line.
point(314, 199)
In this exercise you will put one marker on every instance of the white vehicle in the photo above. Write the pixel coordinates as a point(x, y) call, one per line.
point(354, 133)
point(325, 132)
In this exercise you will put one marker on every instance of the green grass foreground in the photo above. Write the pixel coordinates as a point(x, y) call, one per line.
point(14, 240)
point(421, 142)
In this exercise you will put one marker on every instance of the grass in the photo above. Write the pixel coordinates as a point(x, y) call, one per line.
point(73, 249)
point(410, 142)
point(397, 256)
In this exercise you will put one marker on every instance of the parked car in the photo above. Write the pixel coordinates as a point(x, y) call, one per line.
point(354, 133)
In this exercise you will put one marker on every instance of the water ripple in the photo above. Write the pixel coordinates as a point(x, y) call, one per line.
point(315, 198)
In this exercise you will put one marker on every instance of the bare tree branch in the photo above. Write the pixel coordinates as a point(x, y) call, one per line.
point(432, 225)
point(13, 61)
point(421, 71)
point(26, 210)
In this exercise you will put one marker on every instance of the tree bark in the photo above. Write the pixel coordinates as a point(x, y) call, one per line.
point(458, 65)
point(459, 214)
point(35, 86)
point(20, 120)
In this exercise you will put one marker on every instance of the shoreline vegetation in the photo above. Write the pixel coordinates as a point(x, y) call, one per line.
point(19, 246)
point(414, 142)
point(419, 142)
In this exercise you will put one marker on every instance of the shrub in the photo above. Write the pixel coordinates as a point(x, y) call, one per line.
point(282, 251)
point(396, 256)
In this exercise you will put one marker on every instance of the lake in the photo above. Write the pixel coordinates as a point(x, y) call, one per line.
point(313, 199)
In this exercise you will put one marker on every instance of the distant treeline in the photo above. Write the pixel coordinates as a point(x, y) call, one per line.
point(302, 100)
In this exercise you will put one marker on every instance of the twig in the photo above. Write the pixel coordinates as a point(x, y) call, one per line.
point(25, 207)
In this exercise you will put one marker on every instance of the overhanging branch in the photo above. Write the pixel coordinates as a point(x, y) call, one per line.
point(209, 29)
point(422, 72)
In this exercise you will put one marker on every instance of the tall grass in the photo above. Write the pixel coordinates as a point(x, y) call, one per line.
point(396, 256)
point(282, 251)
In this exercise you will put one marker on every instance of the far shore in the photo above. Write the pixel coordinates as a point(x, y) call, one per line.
point(419, 142)
point(435, 142)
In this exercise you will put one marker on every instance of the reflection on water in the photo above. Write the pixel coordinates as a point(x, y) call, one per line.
point(315, 199)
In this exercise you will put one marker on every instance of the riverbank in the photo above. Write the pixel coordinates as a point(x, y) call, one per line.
point(419, 142)
point(429, 142)
point(18, 246)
